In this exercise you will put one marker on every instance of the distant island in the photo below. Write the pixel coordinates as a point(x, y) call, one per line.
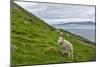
point(77, 23)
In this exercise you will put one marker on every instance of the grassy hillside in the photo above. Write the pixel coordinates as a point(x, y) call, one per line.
point(31, 37)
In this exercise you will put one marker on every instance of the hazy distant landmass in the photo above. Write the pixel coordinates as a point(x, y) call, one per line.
point(79, 23)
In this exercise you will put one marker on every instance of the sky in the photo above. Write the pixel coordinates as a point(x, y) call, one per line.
point(60, 13)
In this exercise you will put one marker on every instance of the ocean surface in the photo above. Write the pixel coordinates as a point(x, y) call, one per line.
point(86, 31)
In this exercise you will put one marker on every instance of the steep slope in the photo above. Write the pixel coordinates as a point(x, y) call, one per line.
point(31, 37)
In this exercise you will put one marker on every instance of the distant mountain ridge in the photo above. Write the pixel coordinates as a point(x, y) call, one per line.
point(79, 23)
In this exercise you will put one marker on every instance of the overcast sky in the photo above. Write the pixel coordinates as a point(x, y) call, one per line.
point(60, 13)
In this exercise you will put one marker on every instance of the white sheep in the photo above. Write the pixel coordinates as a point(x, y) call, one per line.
point(25, 22)
point(66, 46)
point(68, 35)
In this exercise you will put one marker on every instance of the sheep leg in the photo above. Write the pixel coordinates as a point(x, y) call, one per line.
point(69, 54)
point(62, 52)
point(72, 54)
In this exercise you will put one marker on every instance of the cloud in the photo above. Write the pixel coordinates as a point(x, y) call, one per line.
point(52, 13)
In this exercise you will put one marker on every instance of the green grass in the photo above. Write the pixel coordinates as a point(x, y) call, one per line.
point(30, 41)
